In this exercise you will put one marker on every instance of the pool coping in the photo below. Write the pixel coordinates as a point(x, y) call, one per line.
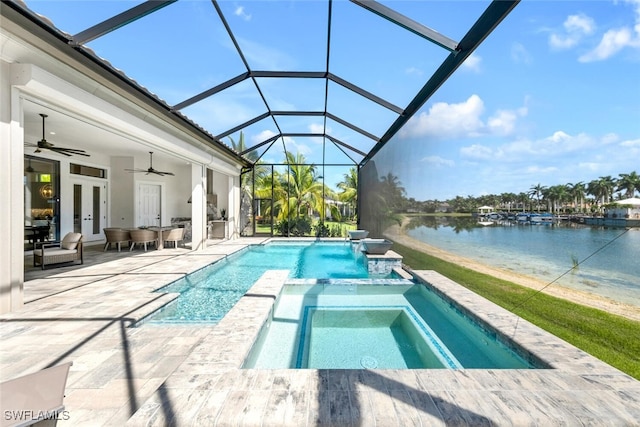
point(578, 389)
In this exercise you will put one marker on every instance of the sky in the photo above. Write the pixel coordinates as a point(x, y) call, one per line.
point(552, 96)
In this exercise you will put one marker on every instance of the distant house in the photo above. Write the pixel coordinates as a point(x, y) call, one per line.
point(621, 213)
point(484, 210)
point(627, 208)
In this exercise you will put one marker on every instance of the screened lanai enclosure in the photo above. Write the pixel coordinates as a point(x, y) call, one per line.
point(315, 95)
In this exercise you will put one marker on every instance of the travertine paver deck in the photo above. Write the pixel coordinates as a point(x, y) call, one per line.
point(190, 375)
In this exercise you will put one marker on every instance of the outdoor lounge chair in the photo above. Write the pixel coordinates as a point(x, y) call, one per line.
point(68, 250)
point(174, 235)
point(35, 399)
point(117, 236)
point(143, 236)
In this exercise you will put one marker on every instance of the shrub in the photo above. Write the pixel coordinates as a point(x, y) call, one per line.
point(295, 227)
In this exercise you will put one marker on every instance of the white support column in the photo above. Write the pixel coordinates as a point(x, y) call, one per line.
point(198, 207)
point(11, 194)
point(234, 207)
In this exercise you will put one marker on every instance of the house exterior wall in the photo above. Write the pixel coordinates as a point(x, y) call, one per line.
point(31, 73)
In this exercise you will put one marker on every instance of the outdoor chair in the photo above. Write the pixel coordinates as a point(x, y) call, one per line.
point(68, 250)
point(35, 399)
point(117, 236)
point(174, 235)
point(143, 236)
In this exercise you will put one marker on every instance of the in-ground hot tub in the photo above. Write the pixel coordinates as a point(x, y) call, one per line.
point(348, 325)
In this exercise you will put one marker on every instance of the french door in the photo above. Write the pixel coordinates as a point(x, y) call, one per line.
point(89, 209)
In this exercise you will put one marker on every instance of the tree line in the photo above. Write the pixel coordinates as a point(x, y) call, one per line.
point(580, 197)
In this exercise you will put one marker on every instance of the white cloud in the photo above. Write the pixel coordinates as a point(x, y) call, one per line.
point(472, 63)
point(295, 147)
point(438, 161)
point(541, 170)
point(447, 120)
point(612, 42)
point(477, 151)
point(520, 54)
point(242, 14)
point(262, 136)
point(590, 166)
point(575, 28)
point(503, 122)
point(464, 119)
point(317, 128)
point(634, 143)
point(414, 71)
point(261, 56)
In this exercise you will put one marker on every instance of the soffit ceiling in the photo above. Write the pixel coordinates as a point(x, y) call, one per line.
point(327, 95)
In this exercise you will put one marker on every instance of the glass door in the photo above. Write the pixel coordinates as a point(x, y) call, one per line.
point(89, 213)
point(41, 200)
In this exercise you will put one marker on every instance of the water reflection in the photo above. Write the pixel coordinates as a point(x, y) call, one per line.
point(457, 223)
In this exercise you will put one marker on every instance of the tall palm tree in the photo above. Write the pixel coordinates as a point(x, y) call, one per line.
point(349, 188)
point(601, 189)
point(304, 190)
point(557, 195)
point(628, 182)
point(578, 192)
point(246, 180)
point(392, 191)
point(537, 192)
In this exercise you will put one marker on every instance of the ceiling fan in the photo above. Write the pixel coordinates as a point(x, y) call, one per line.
point(43, 144)
point(150, 169)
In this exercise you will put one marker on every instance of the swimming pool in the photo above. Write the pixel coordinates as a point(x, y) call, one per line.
point(208, 294)
point(346, 326)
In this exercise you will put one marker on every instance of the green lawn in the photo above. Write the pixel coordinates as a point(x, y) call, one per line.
point(611, 338)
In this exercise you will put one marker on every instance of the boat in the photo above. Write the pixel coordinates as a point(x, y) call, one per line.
point(541, 219)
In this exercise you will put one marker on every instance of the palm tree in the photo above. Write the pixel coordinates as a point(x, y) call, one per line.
point(304, 190)
point(259, 174)
point(577, 191)
point(349, 189)
point(523, 199)
point(537, 192)
point(601, 189)
point(392, 191)
point(628, 182)
point(557, 195)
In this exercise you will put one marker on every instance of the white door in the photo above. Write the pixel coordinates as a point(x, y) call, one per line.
point(149, 198)
point(89, 209)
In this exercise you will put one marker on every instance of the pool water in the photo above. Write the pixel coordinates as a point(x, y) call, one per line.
point(208, 294)
point(376, 326)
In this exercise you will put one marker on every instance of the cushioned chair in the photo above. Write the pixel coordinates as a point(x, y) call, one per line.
point(117, 236)
point(143, 236)
point(69, 249)
point(174, 235)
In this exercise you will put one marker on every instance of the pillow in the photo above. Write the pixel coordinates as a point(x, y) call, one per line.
point(70, 240)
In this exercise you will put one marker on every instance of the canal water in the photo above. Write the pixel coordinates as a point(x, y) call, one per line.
point(607, 259)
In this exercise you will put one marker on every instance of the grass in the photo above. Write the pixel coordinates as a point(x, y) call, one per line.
point(611, 338)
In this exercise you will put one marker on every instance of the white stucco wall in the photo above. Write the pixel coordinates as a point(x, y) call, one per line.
point(59, 86)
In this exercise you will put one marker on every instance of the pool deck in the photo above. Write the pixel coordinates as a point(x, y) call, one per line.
point(186, 375)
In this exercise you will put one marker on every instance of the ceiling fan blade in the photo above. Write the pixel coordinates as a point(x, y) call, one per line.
point(60, 151)
point(44, 144)
point(74, 151)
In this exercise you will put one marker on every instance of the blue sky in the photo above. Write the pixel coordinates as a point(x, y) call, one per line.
point(552, 96)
